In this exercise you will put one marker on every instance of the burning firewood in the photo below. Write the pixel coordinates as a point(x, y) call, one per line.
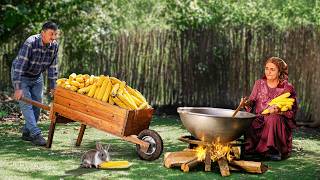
point(172, 159)
point(223, 165)
point(185, 167)
point(227, 156)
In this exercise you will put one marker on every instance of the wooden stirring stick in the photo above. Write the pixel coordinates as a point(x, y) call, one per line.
point(239, 107)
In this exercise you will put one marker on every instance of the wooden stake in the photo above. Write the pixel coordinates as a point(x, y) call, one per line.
point(223, 165)
point(207, 159)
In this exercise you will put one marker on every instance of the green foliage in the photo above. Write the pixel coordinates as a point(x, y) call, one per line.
point(254, 13)
point(3, 113)
point(84, 21)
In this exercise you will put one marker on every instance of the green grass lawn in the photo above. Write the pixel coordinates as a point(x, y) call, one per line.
point(21, 160)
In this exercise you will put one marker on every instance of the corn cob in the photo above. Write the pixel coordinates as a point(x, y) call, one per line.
point(143, 105)
point(114, 164)
point(111, 100)
point(107, 92)
point(102, 89)
point(92, 90)
point(75, 83)
point(121, 87)
point(140, 95)
point(134, 93)
point(87, 83)
point(115, 90)
point(84, 90)
point(136, 100)
point(72, 76)
point(100, 80)
point(119, 102)
point(79, 79)
point(285, 108)
point(285, 95)
point(73, 88)
point(126, 101)
point(115, 80)
point(91, 79)
point(97, 92)
point(127, 95)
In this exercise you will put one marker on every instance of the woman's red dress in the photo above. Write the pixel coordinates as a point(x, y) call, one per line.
point(270, 132)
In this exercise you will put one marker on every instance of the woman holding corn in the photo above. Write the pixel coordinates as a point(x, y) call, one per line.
point(270, 134)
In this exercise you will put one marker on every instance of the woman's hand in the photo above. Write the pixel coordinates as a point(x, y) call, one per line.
point(274, 109)
point(245, 102)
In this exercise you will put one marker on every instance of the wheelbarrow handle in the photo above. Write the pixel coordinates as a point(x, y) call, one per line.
point(35, 103)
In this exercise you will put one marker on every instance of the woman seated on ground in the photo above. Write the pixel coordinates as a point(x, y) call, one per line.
point(271, 135)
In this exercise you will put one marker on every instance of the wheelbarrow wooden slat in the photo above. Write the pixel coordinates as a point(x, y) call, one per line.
point(91, 110)
point(90, 102)
point(74, 110)
point(87, 119)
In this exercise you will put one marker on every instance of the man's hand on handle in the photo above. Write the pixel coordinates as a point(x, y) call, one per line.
point(51, 92)
point(18, 94)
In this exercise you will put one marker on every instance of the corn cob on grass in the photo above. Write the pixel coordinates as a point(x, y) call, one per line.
point(283, 102)
point(105, 88)
point(114, 165)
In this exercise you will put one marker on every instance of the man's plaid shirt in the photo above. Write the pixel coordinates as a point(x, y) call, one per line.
point(34, 58)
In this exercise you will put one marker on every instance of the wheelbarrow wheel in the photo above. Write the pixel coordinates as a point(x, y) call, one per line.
point(156, 145)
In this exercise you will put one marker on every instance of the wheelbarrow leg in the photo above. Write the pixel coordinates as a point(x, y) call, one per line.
point(81, 132)
point(51, 132)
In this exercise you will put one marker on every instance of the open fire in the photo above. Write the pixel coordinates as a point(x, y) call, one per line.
point(227, 155)
point(217, 151)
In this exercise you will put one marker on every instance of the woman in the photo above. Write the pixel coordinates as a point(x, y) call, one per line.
point(271, 135)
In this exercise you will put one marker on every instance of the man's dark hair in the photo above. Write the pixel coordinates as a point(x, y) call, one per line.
point(49, 25)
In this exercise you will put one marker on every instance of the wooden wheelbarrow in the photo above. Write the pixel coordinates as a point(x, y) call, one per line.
point(129, 125)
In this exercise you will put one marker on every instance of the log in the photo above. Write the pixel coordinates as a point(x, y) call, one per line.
point(232, 168)
point(207, 160)
point(172, 159)
point(185, 167)
point(236, 151)
point(224, 167)
point(250, 166)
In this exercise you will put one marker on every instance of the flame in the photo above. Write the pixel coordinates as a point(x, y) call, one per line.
point(218, 150)
point(201, 152)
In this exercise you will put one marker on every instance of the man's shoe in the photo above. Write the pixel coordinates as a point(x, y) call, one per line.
point(26, 136)
point(38, 140)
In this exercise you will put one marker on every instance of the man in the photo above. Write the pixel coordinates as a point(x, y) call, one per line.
point(37, 54)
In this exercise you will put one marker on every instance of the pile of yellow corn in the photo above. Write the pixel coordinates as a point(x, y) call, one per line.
point(105, 88)
point(283, 102)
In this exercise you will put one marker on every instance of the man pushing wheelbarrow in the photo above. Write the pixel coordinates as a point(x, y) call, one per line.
point(37, 54)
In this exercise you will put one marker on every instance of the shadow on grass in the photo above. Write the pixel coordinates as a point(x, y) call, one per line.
point(307, 133)
point(78, 172)
point(303, 162)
